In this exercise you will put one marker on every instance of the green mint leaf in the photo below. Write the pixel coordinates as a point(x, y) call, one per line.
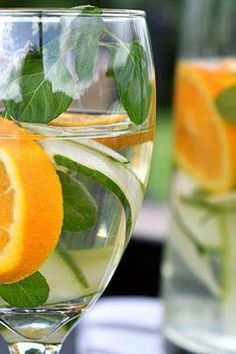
point(226, 104)
point(29, 292)
point(130, 68)
point(38, 102)
point(103, 180)
point(80, 211)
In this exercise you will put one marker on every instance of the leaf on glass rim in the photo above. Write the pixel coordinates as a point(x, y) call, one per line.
point(29, 292)
point(82, 36)
point(88, 9)
point(226, 104)
point(86, 54)
point(80, 210)
point(9, 81)
point(38, 101)
point(130, 68)
point(87, 46)
point(55, 70)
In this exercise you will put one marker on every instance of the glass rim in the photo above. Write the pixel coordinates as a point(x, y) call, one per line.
point(130, 13)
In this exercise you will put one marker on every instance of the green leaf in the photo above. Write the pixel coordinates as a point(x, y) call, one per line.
point(80, 210)
point(130, 67)
point(226, 104)
point(38, 102)
point(29, 292)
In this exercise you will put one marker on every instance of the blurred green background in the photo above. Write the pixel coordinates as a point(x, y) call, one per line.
point(163, 20)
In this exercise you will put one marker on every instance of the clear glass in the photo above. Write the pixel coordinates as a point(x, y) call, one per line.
point(199, 270)
point(77, 94)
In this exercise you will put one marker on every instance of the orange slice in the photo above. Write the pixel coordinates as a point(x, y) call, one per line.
point(85, 120)
point(205, 144)
point(116, 142)
point(31, 206)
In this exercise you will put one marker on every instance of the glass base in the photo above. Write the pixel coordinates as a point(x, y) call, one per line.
point(34, 348)
point(172, 348)
point(177, 342)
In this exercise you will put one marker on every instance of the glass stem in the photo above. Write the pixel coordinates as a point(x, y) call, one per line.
point(34, 348)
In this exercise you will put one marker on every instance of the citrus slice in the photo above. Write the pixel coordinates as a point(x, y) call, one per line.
point(203, 140)
point(85, 120)
point(31, 206)
point(78, 120)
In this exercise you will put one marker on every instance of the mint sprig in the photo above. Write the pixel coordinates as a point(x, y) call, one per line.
point(29, 292)
point(47, 84)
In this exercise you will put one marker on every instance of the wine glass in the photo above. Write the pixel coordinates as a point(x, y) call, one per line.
point(77, 91)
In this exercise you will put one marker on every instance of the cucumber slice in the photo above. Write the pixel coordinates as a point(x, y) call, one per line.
point(196, 219)
point(114, 175)
point(63, 281)
point(92, 144)
point(95, 265)
point(63, 274)
point(193, 239)
point(197, 262)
